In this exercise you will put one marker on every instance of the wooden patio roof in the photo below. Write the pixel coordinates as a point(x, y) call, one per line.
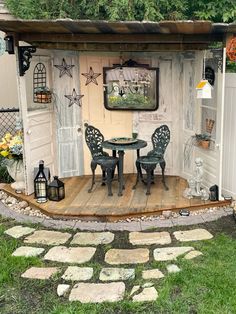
point(88, 35)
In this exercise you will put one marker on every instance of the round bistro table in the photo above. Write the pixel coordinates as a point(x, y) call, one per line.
point(120, 148)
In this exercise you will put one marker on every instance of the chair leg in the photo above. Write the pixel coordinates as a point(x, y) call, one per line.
point(103, 177)
point(149, 180)
point(110, 171)
point(139, 170)
point(93, 166)
point(163, 165)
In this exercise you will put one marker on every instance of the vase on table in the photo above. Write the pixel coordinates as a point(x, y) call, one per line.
point(15, 169)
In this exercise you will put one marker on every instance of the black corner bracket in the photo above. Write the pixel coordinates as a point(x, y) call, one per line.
point(24, 58)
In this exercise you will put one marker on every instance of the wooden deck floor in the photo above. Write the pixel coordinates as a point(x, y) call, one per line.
point(97, 205)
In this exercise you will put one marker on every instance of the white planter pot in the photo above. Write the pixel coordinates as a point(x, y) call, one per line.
point(15, 169)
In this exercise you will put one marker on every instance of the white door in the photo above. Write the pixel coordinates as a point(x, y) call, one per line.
point(195, 115)
point(68, 116)
point(38, 126)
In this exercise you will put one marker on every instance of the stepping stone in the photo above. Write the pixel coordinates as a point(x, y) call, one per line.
point(116, 274)
point(48, 237)
point(76, 273)
point(76, 255)
point(193, 235)
point(90, 238)
point(148, 294)
point(97, 293)
point(170, 253)
point(152, 274)
point(193, 254)
point(62, 290)
point(40, 272)
point(172, 268)
point(125, 256)
point(19, 231)
point(27, 251)
point(134, 289)
point(148, 238)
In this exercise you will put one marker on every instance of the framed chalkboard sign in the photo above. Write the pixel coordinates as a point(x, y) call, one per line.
point(210, 75)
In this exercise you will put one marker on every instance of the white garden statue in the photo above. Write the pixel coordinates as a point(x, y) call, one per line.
point(195, 182)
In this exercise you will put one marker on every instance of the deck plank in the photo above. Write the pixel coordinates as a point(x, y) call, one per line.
point(79, 203)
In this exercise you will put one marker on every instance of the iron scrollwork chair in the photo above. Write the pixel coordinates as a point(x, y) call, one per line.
point(94, 138)
point(160, 140)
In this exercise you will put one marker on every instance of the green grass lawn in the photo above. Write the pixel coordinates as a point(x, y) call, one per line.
point(206, 284)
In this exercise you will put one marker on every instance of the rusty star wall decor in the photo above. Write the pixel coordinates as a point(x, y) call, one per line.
point(74, 98)
point(91, 76)
point(64, 68)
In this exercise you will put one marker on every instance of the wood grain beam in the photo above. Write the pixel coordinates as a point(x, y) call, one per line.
point(120, 38)
point(120, 47)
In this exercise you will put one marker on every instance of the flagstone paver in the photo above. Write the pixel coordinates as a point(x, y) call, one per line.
point(125, 256)
point(148, 294)
point(148, 238)
point(63, 254)
point(192, 254)
point(135, 289)
point(40, 272)
point(152, 274)
point(97, 293)
point(76, 273)
point(170, 253)
point(89, 238)
point(28, 251)
point(19, 231)
point(172, 268)
point(192, 235)
point(48, 237)
point(116, 274)
point(62, 289)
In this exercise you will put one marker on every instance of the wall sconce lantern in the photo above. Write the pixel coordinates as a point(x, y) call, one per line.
point(56, 190)
point(9, 42)
point(40, 184)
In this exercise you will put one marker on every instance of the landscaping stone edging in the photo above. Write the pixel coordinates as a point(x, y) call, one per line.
point(114, 226)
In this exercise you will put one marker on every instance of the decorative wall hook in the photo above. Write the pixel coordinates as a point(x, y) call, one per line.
point(24, 58)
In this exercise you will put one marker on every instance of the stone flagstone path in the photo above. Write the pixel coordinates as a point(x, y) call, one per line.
point(109, 283)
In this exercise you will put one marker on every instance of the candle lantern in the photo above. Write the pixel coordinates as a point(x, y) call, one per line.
point(40, 184)
point(56, 190)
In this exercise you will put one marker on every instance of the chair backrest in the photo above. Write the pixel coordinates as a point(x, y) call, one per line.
point(160, 139)
point(94, 138)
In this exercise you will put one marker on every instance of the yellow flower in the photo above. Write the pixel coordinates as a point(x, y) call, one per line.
point(4, 153)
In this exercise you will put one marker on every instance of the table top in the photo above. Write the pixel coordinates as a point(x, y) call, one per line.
point(137, 145)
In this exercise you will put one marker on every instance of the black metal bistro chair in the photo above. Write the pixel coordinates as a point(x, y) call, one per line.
point(160, 140)
point(94, 138)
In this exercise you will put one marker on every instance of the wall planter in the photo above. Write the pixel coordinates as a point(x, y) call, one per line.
point(203, 140)
point(42, 97)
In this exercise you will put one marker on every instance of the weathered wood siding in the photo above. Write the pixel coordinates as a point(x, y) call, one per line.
point(110, 123)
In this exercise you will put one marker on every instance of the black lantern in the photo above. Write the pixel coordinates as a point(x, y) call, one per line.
point(9, 42)
point(40, 184)
point(56, 190)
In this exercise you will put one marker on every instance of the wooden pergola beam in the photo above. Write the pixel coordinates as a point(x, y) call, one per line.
point(120, 38)
point(103, 47)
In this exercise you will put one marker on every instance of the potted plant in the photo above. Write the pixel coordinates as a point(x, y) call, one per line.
point(43, 94)
point(11, 156)
point(203, 140)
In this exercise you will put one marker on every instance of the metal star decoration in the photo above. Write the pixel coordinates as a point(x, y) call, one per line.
point(74, 98)
point(64, 68)
point(91, 76)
